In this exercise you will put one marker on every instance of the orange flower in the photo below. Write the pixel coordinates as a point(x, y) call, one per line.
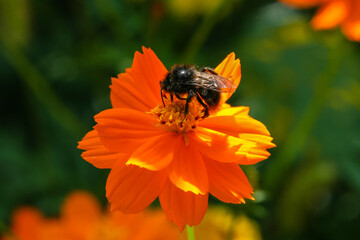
point(28, 223)
point(82, 219)
point(154, 151)
point(332, 13)
point(25, 223)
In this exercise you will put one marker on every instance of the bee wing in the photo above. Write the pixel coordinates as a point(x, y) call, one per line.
point(214, 82)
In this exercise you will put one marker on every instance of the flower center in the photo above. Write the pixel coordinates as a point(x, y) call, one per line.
point(172, 115)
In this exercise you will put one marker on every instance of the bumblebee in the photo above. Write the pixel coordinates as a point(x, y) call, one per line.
point(205, 85)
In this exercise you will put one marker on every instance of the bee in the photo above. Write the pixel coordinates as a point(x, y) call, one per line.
point(204, 85)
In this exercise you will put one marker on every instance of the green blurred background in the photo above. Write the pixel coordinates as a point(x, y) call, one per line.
point(57, 57)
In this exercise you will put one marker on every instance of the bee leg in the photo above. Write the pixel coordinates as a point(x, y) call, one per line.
point(178, 97)
point(172, 97)
point(206, 114)
point(188, 100)
point(208, 69)
point(162, 97)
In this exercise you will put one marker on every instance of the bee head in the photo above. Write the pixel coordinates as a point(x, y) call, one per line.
point(166, 83)
point(182, 73)
point(176, 79)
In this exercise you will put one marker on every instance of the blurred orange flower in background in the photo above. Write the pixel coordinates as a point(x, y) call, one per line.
point(332, 13)
point(154, 151)
point(82, 219)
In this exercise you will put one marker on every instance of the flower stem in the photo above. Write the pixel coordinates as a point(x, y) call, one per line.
point(190, 232)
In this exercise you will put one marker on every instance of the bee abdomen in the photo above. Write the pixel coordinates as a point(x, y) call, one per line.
point(211, 98)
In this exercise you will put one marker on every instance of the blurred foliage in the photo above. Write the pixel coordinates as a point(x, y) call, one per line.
point(57, 57)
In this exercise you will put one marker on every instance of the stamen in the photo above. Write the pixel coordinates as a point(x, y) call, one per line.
point(172, 116)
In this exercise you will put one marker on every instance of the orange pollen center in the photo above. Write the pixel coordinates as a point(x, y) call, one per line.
point(172, 115)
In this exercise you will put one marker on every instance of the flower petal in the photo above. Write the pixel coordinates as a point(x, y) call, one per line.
point(187, 170)
point(81, 205)
point(124, 130)
point(254, 135)
point(220, 146)
point(245, 150)
point(263, 141)
point(183, 208)
point(330, 15)
point(255, 155)
point(352, 30)
point(230, 111)
point(258, 153)
point(351, 26)
point(124, 94)
point(80, 213)
point(234, 125)
point(139, 87)
point(229, 68)
point(96, 153)
point(228, 182)
point(130, 189)
point(26, 223)
point(156, 153)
